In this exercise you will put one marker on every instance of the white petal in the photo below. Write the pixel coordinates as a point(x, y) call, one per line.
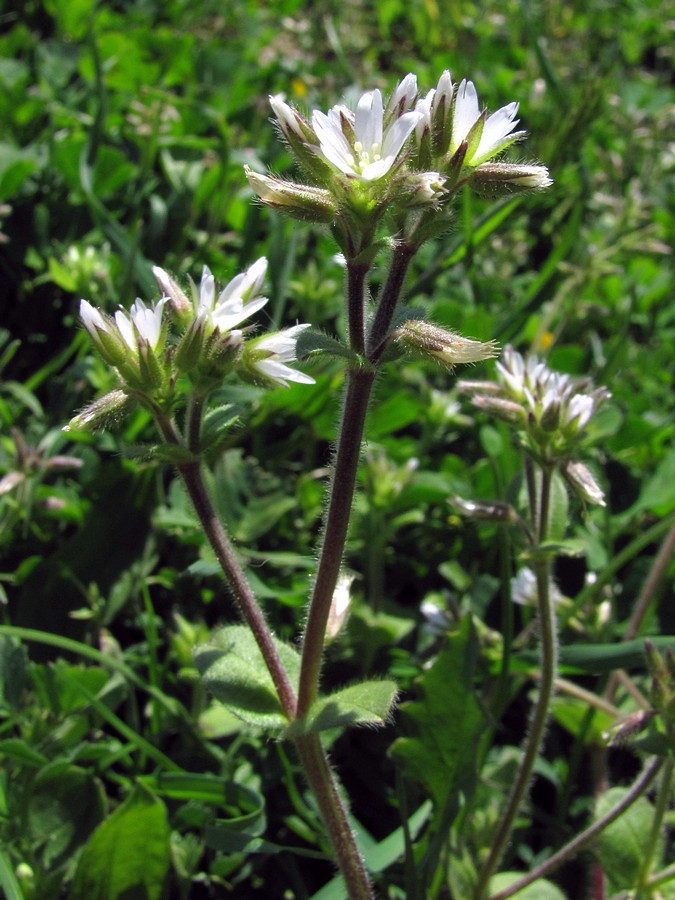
point(368, 121)
point(125, 328)
point(398, 134)
point(466, 112)
point(497, 128)
point(207, 289)
point(280, 373)
point(333, 144)
point(225, 316)
point(92, 319)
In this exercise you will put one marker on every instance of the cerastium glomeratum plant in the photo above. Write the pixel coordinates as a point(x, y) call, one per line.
point(384, 177)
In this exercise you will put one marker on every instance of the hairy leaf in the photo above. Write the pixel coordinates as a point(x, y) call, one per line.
point(368, 703)
point(234, 670)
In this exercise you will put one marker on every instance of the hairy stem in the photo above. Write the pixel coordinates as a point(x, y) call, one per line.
point(191, 473)
point(391, 292)
point(356, 288)
point(250, 609)
point(547, 626)
point(582, 840)
point(359, 385)
point(325, 789)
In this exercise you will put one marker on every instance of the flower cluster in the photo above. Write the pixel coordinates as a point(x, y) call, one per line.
point(415, 150)
point(550, 410)
point(208, 345)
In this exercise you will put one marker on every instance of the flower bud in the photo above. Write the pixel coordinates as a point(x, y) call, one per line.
point(500, 407)
point(101, 413)
point(179, 303)
point(309, 204)
point(424, 188)
point(497, 179)
point(486, 511)
point(582, 482)
point(433, 342)
point(339, 607)
point(301, 138)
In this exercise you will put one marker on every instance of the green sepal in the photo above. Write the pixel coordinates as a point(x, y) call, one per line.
point(315, 342)
point(369, 703)
point(233, 669)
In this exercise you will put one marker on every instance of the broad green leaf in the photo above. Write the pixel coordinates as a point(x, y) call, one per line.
point(538, 890)
point(128, 855)
point(235, 672)
point(622, 845)
point(367, 703)
point(446, 721)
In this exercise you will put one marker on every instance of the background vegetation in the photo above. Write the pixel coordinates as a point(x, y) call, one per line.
point(125, 127)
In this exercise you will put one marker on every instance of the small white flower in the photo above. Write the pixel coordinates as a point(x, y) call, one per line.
point(270, 353)
point(498, 129)
point(375, 149)
point(238, 300)
point(141, 321)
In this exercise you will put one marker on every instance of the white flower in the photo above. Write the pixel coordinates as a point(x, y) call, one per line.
point(238, 300)
point(497, 131)
point(269, 354)
point(375, 149)
point(144, 322)
point(524, 589)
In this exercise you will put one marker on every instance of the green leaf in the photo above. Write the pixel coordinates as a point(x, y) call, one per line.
point(622, 846)
point(128, 855)
point(538, 890)
point(235, 672)
point(446, 721)
point(315, 342)
point(367, 703)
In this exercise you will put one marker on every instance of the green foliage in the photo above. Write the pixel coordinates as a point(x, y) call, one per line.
point(625, 844)
point(447, 721)
point(128, 854)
